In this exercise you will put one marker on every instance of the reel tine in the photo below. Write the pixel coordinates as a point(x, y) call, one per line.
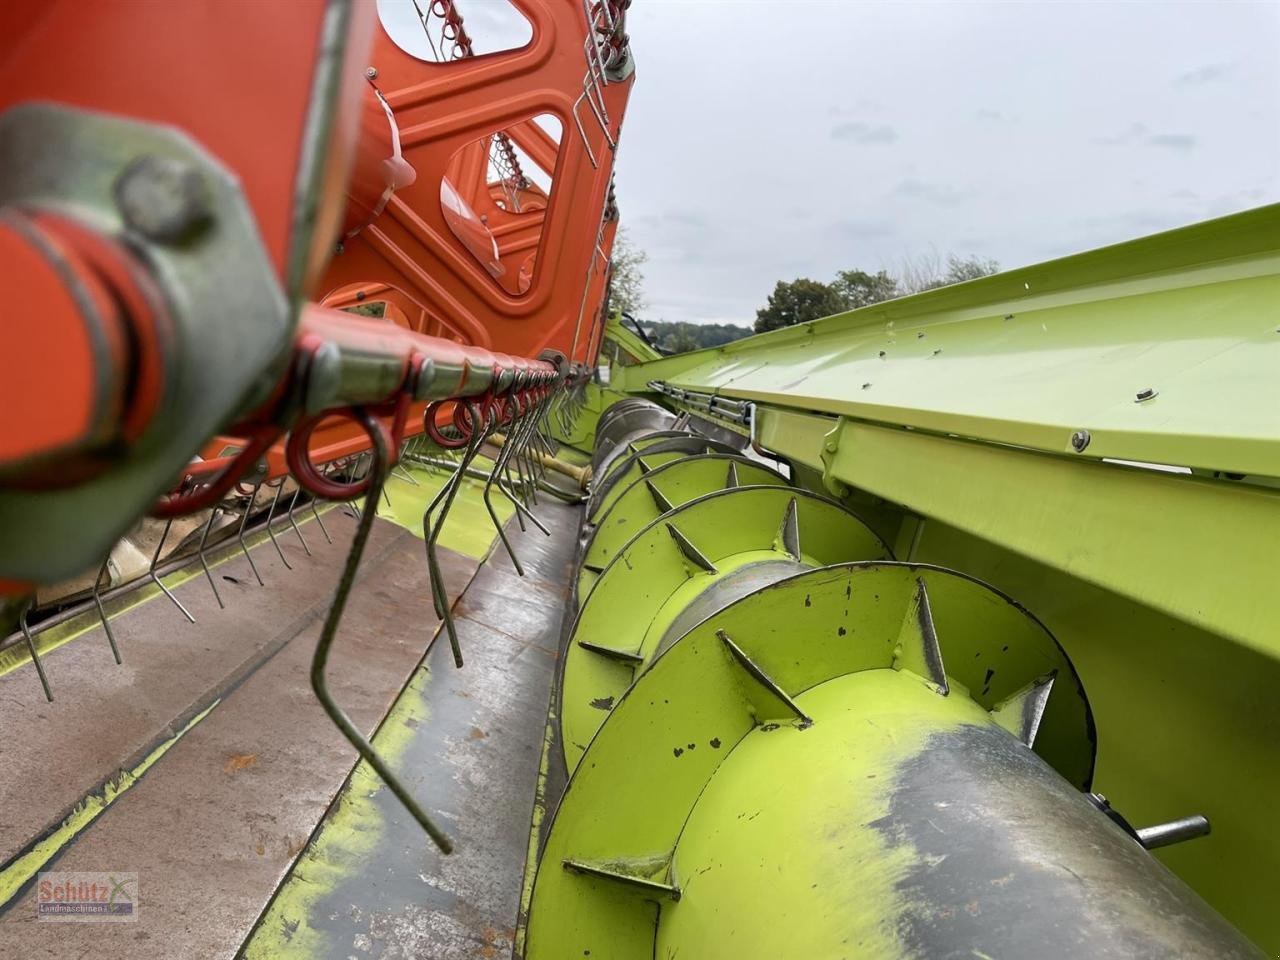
point(516, 439)
point(315, 511)
point(431, 532)
point(327, 633)
point(31, 647)
point(151, 572)
point(504, 454)
point(270, 517)
point(244, 519)
point(501, 466)
point(102, 612)
point(204, 540)
point(294, 523)
point(399, 469)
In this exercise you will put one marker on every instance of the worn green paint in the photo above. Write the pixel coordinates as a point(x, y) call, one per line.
point(537, 826)
point(468, 528)
point(339, 850)
point(1187, 722)
point(696, 782)
point(292, 925)
point(777, 814)
point(649, 582)
point(21, 870)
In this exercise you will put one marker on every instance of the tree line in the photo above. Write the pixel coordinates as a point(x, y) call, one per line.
point(803, 299)
point(792, 301)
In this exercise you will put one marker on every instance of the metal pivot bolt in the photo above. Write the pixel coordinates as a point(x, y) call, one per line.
point(1079, 440)
point(371, 73)
point(163, 198)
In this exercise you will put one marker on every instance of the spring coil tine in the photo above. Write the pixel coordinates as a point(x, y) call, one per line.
point(521, 510)
point(151, 572)
point(503, 455)
point(501, 467)
point(244, 519)
point(320, 520)
point(31, 647)
point(204, 540)
point(431, 533)
point(270, 531)
point(102, 612)
point(294, 523)
point(327, 633)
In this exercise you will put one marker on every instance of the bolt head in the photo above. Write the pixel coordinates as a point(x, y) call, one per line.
point(1079, 440)
point(163, 198)
point(371, 73)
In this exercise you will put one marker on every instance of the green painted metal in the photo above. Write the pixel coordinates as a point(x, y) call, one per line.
point(639, 455)
point(625, 347)
point(675, 479)
point(1032, 356)
point(663, 570)
point(1156, 583)
point(1187, 720)
point(468, 529)
point(1188, 546)
point(706, 786)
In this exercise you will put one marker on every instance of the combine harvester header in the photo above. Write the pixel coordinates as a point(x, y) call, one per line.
point(844, 630)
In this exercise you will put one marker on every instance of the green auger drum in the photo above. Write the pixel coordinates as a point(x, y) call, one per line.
point(784, 743)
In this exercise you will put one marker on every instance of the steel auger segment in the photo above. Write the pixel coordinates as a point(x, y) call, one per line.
point(640, 455)
point(654, 492)
point(870, 759)
point(684, 565)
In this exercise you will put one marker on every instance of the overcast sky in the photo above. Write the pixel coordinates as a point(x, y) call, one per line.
point(770, 140)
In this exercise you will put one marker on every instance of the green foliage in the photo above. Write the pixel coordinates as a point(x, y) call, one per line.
point(626, 282)
point(798, 301)
point(681, 337)
point(960, 269)
point(802, 300)
point(857, 288)
point(376, 309)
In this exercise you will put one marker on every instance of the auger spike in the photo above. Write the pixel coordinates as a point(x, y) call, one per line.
point(768, 700)
point(691, 553)
point(609, 653)
point(732, 479)
point(917, 649)
point(1020, 713)
point(659, 500)
point(610, 871)
point(789, 532)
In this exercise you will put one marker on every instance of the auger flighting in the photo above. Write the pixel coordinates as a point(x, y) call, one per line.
point(785, 743)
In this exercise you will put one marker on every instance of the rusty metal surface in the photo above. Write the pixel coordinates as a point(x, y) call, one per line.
point(213, 826)
point(469, 743)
